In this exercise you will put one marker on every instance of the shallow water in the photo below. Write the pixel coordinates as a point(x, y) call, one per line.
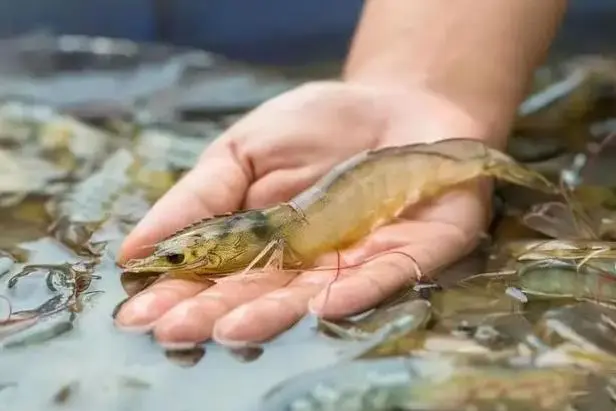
point(79, 360)
point(105, 368)
point(73, 360)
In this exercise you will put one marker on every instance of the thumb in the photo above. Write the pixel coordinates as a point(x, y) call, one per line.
point(217, 184)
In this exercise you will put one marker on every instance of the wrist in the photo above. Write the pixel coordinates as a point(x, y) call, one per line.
point(485, 92)
point(478, 55)
point(422, 114)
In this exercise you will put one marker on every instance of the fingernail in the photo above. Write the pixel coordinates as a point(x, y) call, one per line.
point(137, 312)
point(235, 344)
point(118, 307)
point(316, 305)
point(178, 345)
point(223, 330)
point(136, 329)
point(353, 257)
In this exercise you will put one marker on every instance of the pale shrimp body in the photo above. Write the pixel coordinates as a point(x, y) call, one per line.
point(374, 187)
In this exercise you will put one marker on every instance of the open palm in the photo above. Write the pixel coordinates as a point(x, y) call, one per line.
point(276, 151)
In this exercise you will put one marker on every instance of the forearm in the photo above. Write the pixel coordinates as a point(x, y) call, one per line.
point(479, 54)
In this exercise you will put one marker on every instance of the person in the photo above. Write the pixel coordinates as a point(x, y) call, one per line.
point(417, 71)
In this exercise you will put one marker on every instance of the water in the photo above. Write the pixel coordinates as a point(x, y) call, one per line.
point(93, 365)
point(77, 360)
point(104, 368)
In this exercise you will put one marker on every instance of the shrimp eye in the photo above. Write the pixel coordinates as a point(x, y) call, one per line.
point(175, 258)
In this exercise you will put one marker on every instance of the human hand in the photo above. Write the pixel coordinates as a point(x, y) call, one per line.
point(276, 151)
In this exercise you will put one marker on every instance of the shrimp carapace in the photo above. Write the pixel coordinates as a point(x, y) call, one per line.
point(218, 245)
point(368, 190)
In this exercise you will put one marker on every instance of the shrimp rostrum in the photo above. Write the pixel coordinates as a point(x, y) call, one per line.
point(368, 190)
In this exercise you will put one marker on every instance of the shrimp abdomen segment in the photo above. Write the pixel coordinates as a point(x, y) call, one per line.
point(373, 187)
point(347, 204)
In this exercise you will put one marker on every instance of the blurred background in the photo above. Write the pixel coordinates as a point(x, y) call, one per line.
point(265, 31)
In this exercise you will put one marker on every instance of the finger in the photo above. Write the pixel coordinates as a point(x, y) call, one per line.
point(191, 321)
point(142, 310)
point(281, 185)
point(405, 249)
point(216, 185)
point(273, 313)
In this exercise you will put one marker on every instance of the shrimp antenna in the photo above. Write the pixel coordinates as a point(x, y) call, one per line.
point(333, 280)
point(416, 267)
point(356, 265)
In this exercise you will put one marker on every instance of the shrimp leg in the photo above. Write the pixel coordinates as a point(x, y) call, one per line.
point(274, 262)
point(594, 254)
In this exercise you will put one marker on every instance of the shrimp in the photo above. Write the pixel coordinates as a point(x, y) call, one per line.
point(428, 383)
point(368, 190)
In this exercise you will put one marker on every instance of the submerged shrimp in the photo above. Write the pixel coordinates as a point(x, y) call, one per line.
point(428, 383)
point(362, 193)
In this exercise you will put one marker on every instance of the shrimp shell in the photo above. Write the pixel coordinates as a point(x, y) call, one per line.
point(362, 193)
point(424, 384)
point(373, 187)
